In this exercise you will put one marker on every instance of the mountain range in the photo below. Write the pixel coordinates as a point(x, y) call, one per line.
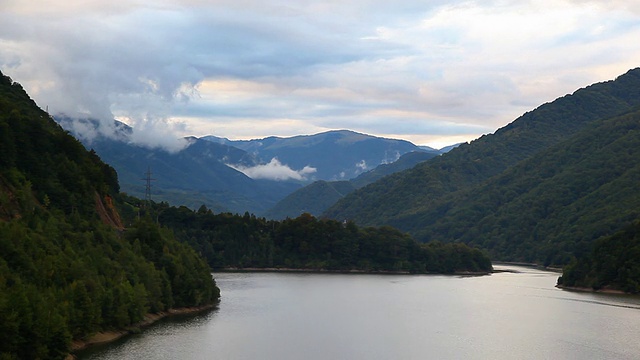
point(331, 155)
point(540, 189)
point(239, 176)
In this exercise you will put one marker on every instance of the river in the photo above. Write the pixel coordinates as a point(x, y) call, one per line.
point(505, 315)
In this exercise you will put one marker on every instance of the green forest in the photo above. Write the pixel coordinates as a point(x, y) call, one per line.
point(541, 189)
point(551, 207)
point(67, 267)
point(613, 263)
point(232, 241)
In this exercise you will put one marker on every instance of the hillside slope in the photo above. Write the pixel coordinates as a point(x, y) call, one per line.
point(66, 269)
point(317, 197)
point(418, 189)
point(613, 264)
point(550, 207)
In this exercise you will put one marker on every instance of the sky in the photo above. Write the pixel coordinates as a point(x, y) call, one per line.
point(435, 73)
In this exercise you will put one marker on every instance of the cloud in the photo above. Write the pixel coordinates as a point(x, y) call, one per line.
point(158, 133)
point(433, 72)
point(361, 166)
point(149, 133)
point(275, 170)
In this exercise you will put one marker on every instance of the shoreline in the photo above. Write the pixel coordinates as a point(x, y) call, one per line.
point(528, 265)
point(105, 337)
point(352, 271)
point(592, 290)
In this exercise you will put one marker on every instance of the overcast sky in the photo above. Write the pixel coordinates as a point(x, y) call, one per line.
point(432, 72)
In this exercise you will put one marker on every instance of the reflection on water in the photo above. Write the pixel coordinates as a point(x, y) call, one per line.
point(337, 316)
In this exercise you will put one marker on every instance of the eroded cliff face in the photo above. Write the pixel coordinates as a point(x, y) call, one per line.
point(107, 211)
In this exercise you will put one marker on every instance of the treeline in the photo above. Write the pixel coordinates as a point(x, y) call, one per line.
point(64, 273)
point(230, 240)
point(614, 264)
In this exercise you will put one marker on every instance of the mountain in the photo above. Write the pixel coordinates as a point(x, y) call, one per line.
point(449, 148)
point(315, 198)
point(236, 176)
point(194, 176)
point(447, 197)
point(312, 199)
point(335, 155)
point(552, 206)
point(406, 161)
point(67, 267)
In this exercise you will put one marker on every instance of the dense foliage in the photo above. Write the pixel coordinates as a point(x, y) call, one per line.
point(65, 273)
point(540, 189)
point(614, 263)
point(551, 207)
point(61, 280)
point(471, 164)
point(228, 240)
point(35, 150)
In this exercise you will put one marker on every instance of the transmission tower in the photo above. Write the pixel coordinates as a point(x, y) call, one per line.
point(147, 190)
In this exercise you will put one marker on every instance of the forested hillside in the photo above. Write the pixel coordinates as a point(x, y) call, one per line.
point(228, 240)
point(417, 189)
point(614, 263)
point(67, 269)
point(313, 199)
point(550, 207)
point(540, 189)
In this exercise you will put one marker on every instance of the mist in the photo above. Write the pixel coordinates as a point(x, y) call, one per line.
point(275, 170)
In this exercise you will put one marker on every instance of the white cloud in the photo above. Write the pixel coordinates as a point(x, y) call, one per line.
point(158, 133)
point(430, 72)
point(275, 170)
point(361, 166)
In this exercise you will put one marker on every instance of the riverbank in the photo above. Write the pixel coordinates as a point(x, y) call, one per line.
point(528, 265)
point(592, 290)
point(352, 271)
point(105, 337)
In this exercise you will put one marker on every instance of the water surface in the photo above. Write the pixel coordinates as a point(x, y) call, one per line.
point(339, 316)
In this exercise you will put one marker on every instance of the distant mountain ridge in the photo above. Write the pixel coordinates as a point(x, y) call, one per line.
point(336, 155)
point(236, 176)
point(317, 197)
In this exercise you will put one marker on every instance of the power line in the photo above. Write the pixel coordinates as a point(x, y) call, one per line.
point(147, 190)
